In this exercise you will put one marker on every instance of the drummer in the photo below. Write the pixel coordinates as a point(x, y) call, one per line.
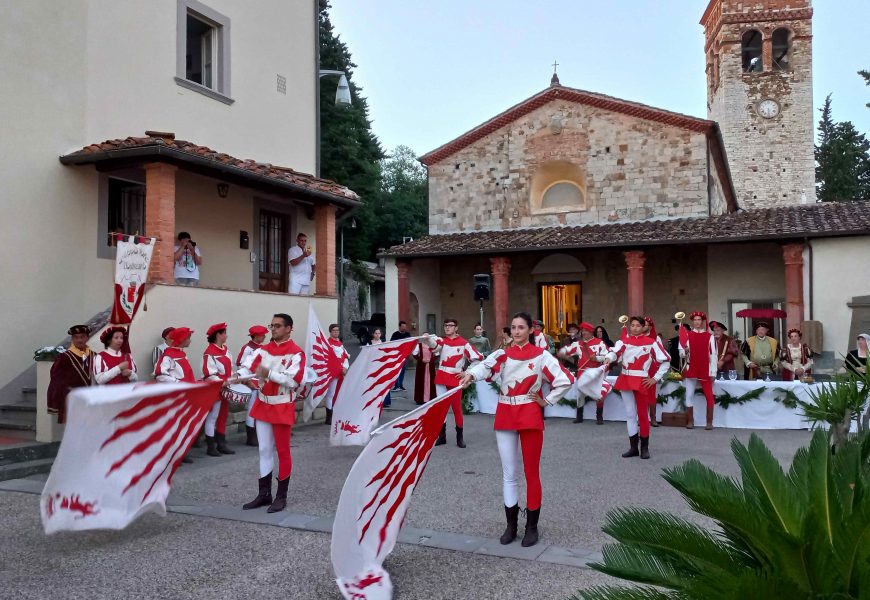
point(217, 365)
point(257, 333)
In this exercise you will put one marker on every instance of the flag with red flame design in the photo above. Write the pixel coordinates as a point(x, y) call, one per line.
point(121, 446)
point(359, 402)
point(321, 360)
point(375, 498)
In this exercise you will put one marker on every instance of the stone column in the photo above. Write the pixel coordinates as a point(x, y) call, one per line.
point(403, 269)
point(501, 268)
point(767, 52)
point(634, 260)
point(793, 257)
point(324, 259)
point(160, 220)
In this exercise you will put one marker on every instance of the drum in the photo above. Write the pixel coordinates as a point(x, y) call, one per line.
point(236, 393)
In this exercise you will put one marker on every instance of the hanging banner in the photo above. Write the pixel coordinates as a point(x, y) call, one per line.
point(132, 259)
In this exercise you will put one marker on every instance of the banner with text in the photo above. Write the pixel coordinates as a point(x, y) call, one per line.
point(132, 260)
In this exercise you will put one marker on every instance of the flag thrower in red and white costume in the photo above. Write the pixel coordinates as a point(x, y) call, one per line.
point(649, 395)
point(217, 365)
point(698, 348)
point(521, 371)
point(637, 353)
point(454, 353)
point(590, 352)
point(257, 334)
point(279, 367)
point(329, 361)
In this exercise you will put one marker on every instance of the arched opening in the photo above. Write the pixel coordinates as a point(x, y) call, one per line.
point(781, 49)
point(562, 193)
point(751, 51)
point(558, 186)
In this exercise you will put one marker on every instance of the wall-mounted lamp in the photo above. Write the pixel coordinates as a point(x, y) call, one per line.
point(223, 189)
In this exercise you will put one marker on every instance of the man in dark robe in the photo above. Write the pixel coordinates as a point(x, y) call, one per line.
point(71, 369)
point(424, 378)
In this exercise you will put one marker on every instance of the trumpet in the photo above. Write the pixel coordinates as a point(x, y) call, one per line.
point(680, 315)
point(623, 319)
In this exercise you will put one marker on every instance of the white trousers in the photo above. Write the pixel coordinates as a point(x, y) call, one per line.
point(248, 420)
point(303, 289)
point(630, 403)
point(509, 452)
point(211, 419)
point(266, 447)
point(330, 393)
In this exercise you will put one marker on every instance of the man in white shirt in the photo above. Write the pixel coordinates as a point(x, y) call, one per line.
point(301, 266)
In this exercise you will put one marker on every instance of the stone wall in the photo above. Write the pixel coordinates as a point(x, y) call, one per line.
point(771, 159)
point(629, 168)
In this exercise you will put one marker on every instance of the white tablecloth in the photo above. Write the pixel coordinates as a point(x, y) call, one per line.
point(762, 413)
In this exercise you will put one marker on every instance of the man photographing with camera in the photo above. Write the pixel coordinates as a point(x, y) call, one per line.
point(301, 266)
point(187, 261)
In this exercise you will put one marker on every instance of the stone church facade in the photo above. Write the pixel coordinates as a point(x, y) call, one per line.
point(581, 206)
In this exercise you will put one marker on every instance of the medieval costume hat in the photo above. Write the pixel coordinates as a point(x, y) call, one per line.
point(76, 329)
point(179, 334)
point(698, 313)
point(108, 334)
point(257, 330)
point(717, 324)
point(587, 327)
point(215, 328)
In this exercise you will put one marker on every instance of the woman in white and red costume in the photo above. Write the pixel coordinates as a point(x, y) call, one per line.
point(590, 352)
point(257, 333)
point(174, 367)
point(338, 364)
point(113, 365)
point(698, 347)
point(217, 365)
point(280, 367)
point(637, 353)
point(453, 352)
point(521, 370)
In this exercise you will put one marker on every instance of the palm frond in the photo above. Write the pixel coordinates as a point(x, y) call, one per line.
point(668, 534)
point(822, 498)
point(609, 592)
point(640, 565)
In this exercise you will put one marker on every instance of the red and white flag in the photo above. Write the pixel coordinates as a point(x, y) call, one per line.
point(369, 379)
point(592, 382)
point(375, 498)
point(132, 259)
point(321, 360)
point(121, 446)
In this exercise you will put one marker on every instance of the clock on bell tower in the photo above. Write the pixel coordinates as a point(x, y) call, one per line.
point(760, 91)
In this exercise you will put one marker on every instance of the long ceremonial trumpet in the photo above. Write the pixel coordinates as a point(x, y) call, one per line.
point(679, 316)
point(623, 319)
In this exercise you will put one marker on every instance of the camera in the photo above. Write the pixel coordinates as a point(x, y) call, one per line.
point(192, 243)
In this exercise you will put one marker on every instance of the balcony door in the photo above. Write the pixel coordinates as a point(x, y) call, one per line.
point(274, 240)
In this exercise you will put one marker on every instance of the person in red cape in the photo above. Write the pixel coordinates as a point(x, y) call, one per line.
point(337, 365)
point(454, 352)
point(71, 369)
point(521, 370)
point(217, 365)
point(590, 352)
point(698, 347)
point(257, 333)
point(174, 366)
point(726, 349)
point(796, 357)
point(637, 353)
point(113, 365)
point(280, 367)
point(650, 394)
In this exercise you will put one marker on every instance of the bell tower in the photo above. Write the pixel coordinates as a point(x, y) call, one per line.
point(760, 91)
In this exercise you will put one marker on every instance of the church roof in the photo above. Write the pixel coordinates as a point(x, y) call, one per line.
point(559, 92)
point(829, 219)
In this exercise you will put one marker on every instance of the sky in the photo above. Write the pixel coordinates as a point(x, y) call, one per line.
point(433, 70)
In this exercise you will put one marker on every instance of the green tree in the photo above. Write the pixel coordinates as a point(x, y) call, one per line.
point(402, 209)
point(842, 160)
point(866, 76)
point(800, 534)
point(349, 151)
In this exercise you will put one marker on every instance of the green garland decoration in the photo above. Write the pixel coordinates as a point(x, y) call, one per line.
point(788, 399)
point(725, 400)
point(469, 394)
point(566, 402)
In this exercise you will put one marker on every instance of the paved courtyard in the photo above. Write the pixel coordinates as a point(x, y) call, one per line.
point(207, 547)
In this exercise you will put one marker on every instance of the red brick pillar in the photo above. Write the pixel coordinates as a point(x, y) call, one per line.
point(501, 268)
point(403, 268)
point(324, 259)
point(160, 220)
point(767, 52)
point(793, 257)
point(634, 260)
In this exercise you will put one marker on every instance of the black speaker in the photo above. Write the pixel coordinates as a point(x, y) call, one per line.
point(481, 287)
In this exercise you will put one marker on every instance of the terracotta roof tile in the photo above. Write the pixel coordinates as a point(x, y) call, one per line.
point(813, 220)
point(278, 174)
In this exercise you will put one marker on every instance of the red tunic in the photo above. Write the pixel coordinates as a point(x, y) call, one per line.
point(453, 354)
point(702, 355)
point(174, 366)
point(638, 353)
point(286, 365)
point(107, 362)
point(521, 371)
point(216, 363)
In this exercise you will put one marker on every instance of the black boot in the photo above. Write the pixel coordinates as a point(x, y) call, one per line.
point(328, 419)
point(251, 436)
point(459, 440)
point(599, 415)
point(187, 460)
point(264, 497)
point(579, 417)
point(632, 451)
point(222, 447)
point(531, 536)
point(644, 447)
point(442, 437)
point(211, 446)
point(512, 514)
point(280, 502)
